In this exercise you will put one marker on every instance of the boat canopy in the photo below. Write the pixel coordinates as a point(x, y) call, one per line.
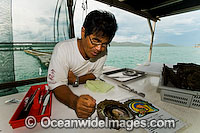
point(155, 9)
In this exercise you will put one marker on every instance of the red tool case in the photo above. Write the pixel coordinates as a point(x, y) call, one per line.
point(36, 108)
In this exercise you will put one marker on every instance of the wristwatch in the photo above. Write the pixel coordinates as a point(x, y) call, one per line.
point(76, 82)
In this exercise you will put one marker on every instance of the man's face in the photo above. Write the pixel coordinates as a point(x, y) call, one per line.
point(94, 44)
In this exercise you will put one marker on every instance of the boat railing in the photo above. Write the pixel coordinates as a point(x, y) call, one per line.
point(22, 82)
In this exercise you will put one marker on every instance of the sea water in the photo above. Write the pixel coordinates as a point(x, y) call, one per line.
point(26, 66)
point(128, 56)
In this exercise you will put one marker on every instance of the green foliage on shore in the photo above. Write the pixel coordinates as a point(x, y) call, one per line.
point(140, 44)
point(128, 44)
point(164, 45)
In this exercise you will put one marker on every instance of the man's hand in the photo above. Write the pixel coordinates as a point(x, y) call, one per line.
point(82, 79)
point(71, 77)
point(85, 106)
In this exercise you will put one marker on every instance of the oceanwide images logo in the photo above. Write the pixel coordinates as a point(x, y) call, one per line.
point(46, 122)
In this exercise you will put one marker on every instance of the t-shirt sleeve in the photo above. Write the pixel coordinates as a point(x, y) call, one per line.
point(58, 69)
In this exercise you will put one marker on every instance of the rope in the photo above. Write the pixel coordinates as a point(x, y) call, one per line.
point(84, 7)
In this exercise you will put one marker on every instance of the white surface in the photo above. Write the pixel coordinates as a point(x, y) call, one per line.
point(151, 68)
point(147, 85)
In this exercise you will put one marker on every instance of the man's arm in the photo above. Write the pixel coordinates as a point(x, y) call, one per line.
point(82, 79)
point(83, 105)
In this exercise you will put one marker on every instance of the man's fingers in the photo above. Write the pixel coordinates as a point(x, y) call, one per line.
point(86, 109)
point(88, 97)
point(88, 103)
point(82, 116)
point(84, 113)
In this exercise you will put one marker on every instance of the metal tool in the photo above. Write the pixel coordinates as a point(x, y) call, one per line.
point(130, 73)
point(120, 77)
point(123, 86)
point(47, 92)
point(45, 103)
point(102, 79)
point(30, 102)
point(13, 100)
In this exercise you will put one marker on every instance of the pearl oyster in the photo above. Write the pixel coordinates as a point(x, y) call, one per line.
point(114, 110)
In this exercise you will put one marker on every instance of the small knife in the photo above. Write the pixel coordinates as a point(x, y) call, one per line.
point(45, 103)
point(123, 86)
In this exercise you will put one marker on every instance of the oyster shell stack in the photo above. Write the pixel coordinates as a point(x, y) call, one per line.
point(183, 75)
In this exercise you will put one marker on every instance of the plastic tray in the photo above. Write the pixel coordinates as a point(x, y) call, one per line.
point(179, 96)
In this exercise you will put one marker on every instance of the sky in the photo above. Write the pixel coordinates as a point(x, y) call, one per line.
point(33, 21)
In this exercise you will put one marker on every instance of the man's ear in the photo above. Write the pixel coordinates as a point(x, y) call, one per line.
point(82, 32)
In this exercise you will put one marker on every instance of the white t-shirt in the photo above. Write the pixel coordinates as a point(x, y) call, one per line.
point(66, 56)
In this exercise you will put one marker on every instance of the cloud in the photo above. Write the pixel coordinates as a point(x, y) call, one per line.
point(28, 35)
point(180, 24)
point(132, 38)
point(45, 21)
point(33, 20)
point(131, 27)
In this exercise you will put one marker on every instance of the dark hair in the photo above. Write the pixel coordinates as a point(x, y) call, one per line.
point(99, 21)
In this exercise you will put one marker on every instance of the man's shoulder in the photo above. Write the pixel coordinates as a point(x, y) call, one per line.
point(65, 46)
point(66, 43)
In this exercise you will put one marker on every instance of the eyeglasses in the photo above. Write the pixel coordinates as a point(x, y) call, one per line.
point(96, 43)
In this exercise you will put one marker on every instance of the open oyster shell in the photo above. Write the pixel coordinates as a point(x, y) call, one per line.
point(114, 110)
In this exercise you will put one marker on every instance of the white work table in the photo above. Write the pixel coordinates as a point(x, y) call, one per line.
point(147, 85)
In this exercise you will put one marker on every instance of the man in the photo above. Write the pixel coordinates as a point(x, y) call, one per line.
point(76, 60)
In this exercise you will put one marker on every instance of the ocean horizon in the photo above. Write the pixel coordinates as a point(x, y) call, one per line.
point(27, 67)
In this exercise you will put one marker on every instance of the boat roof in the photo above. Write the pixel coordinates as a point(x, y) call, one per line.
point(155, 9)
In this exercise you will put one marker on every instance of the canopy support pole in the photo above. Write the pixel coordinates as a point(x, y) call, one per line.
point(152, 29)
point(71, 32)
